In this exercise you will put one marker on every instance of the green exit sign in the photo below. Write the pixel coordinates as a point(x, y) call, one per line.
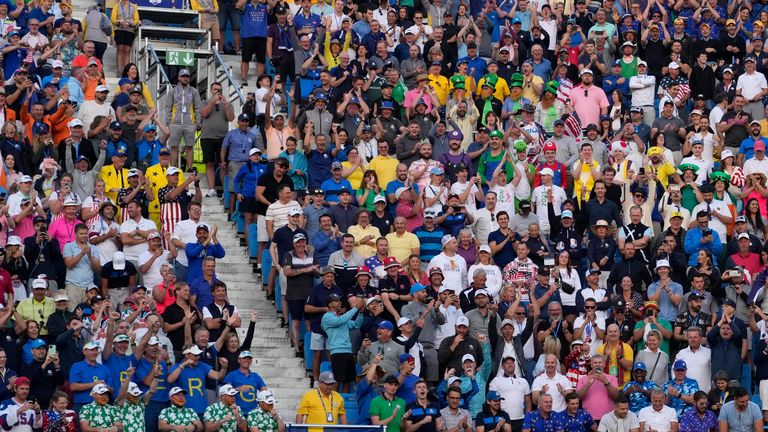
point(179, 58)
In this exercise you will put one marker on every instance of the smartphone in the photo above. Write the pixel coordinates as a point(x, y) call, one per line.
point(381, 350)
point(549, 262)
point(51, 350)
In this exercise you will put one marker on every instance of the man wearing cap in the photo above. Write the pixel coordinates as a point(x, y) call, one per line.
point(385, 345)
point(191, 373)
point(756, 165)
point(76, 145)
point(265, 417)
point(96, 107)
point(744, 257)
point(178, 415)
point(752, 86)
point(86, 375)
point(225, 415)
point(705, 165)
point(44, 372)
point(21, 412)
point(148, 148)
point(680, 389)
point(421, 311)
point(322, 405)
point(638, 390)
point(83, 178)
point(82, 261)
point(156, 176)
point(733, 124)
point(182, 115)
point(37, 307)
point(248, 383)
point(388, 409)
point(671, 126)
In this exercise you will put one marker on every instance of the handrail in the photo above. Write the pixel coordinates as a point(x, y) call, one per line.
point(232, 84)
point(163, 75)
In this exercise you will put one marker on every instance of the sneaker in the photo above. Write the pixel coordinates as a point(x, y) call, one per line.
point(244, 84)
point(211, 193)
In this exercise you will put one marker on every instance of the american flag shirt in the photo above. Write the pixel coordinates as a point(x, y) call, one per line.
point(171, 210)
point(141, 198)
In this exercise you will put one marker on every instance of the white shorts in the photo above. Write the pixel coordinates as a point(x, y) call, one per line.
point(261, 228)
point(318, 342)
point(764, 394)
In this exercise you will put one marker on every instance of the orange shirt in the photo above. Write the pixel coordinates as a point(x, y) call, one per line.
point(89, 92)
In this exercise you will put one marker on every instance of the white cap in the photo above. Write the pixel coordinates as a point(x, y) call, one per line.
point(253, 151)
point(452, 380)
point(742, 236)
point(725, 154)
point(133, 389)
point(642, 62)
point(294, 211)
point(266, 396)
point(100, 389)
point(69, 201)
point(372, 299)
point(154, 340)
point(462, 320)
point(403, 321)
point(25, 179)
point(194, 350)
point(379, 199)
point(467, 357)
point(61, 295)
point(228, 390)
point(118, 261)
point(13, 241)
point(484, 248)
point(75, 122)
point(507, 321)
point(245, 354)
point(547, 171)
point(56, 64)
point(447, 239)
point(586, 71)
point(673, 65)
point(176, 390)
point(662, 263)
point(91, 345)
point(172, 170)
point(102, 88)
point(39, 284)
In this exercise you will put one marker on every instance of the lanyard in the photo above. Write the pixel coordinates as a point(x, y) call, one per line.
point(320, 396)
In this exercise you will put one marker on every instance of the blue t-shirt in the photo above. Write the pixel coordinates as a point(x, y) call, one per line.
point(41, 16)
point(253, 20)
point(119, 364)
point(192, 379)
point(82, 372)
point(251, 383)
point(747, 147)
point(392, 188)
point(146, 148)
point(145, 368)
point(506, 254)
point(331, 189)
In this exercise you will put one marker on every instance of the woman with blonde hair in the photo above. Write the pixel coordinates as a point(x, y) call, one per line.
point(492, 272)
point(414, 271)
point(551, 345)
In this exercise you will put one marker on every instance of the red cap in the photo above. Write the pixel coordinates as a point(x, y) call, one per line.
point(549, 146)
point(390, 262)
point(21, 381)
point(363, 270)
point(759, 145)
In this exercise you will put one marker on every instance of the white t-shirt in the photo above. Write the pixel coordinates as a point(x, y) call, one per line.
point(454, 270)
point(589, 334)
point(540, 203)
point(459, 188)
point(660, 421)
point(705, 167)
point(505, 198)
point(14, 203)
point(699, 366)
point(261, 104)
point(107, 248)
point(90, 109)
point(751, 84)
point(185, 231)
point(558, 400)
point(132, 252)
point(152, 277)
point(513, 391)
point(431, 191)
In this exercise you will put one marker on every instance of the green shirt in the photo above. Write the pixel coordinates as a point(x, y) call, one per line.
point(132, 416)
point(384, 408)
point(176, 416)
point(100, 416)
point(262, 420)
point(688, 200)
point(217, 412)
point(664, 344)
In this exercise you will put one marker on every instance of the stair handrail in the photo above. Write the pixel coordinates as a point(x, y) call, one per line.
point(228, 74)
point(153, 69)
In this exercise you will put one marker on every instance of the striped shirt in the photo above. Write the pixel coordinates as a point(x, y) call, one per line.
point(277, 212)
point(430, 242)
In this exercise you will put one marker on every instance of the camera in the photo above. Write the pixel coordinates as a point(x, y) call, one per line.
point(707, 232)
point(649, 312)
point(457, 209)
point(641, 171)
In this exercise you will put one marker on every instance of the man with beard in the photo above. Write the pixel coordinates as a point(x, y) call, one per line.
point(693, 315)
point(638, 391)
point(631, 265)
point(421, 307)
point(44, 373)
point(700, 418)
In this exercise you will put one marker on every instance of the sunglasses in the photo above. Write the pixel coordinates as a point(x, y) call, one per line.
point(590, 307)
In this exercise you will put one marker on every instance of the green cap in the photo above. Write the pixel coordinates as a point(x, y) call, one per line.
point(490, 81)
point(688, 166)
point(457, 79)
point(720, 176)
point(552, 87)
point(516, 80)
point(497, 134)
point(459, 86)
point(520, 145)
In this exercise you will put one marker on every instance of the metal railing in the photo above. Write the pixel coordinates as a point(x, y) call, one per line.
point(220, 72)
point(153, 71)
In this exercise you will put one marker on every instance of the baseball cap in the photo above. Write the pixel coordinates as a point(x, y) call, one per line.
point(467, 357)
point(194, 350)
point(184, 72)
point(38, 343)
point(227, 390)
point(265, 396)
point(176, 390)
point(566, 214)
point(299, 237)
point(118, 261)
point(680, 365)
point(100, 389)
point(39, 284)
point(327, 378)
point(462, 321)
point(121, 338)
point(493, 395)
point(386, 325)
point(639, 366)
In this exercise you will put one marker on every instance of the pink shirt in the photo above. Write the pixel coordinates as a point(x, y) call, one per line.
point(412, 95)
point(25, 228)
point(63, 231)
point(588, 107)
point(596, 401)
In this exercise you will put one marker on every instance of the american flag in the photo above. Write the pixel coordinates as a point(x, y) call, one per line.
point(572, 125)
point(564, 91)
point(684, 90)
point(170, 212)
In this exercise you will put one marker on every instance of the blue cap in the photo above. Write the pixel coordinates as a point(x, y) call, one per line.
point(516, 20)
point(50, 84)
point(680, 365)
point(322, 97)
point(115, 125)
point(617, 63)
point(12, 34)
point(386, 325)
point(493, 395)
point(150, 127)
point(592, 271)
point(354, 100)
point(404, 357)
point(165, 151)
point(38, 343)
point(437, 171)
point(455, 135)
point(639, 366)
point(121, 151)
point(417, 287)
point(40, 128)
point(566, 214)
point(387, 105)
point(124, 81)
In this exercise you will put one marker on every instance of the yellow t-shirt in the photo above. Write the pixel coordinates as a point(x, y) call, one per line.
point(528, 91)
point(357, 175)
point(156, 176)
point(663, 172)
point(612, 363)
point(317, 406)
point(401, 247)
point(584, 178)
point(386, 169)
point(441, 86)
point(502, 89)
point(364, 250)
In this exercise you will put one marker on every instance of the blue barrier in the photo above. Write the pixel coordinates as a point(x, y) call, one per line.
point(226, 192)
point(350, 406)
point(308, 357)
point(253, 241)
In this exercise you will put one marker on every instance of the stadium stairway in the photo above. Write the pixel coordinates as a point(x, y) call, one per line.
point(273, 355)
